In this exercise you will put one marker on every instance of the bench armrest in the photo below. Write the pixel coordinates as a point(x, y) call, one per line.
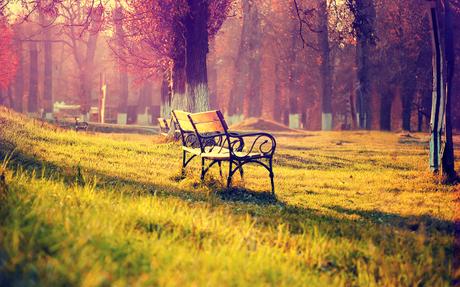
point(258, 142)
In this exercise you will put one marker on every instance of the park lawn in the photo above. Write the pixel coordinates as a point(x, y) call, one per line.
point(351, 209)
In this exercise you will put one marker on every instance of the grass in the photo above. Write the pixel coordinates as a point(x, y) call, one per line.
point(352, 209)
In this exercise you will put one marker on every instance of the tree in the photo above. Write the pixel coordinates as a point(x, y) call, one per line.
point(123, 76)
point(177, 33)
point(48, 62)
point(8, 58)
point(363, 26)
point(442, 152)
point(246, 88)
point(32, 102)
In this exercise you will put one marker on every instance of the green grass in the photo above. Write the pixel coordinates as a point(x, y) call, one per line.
point(352, 209)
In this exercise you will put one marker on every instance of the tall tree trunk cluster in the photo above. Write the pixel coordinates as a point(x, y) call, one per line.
point(442, 152)
point(246, 89)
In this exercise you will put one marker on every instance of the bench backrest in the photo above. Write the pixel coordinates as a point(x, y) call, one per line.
point(163, 124)
point(208, 122)
point(210, 129)
point(182, 121)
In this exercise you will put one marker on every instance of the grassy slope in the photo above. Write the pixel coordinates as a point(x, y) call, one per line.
point(353, 208)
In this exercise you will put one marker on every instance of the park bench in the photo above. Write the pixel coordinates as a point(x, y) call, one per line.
point(168, 127)
point(190, 147)
point(164, 126)
point(65, 122)
point(213, 142)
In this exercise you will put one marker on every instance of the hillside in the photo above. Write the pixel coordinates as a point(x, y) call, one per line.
point(352, 209)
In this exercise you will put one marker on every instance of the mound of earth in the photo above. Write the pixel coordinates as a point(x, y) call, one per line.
point(261, 125)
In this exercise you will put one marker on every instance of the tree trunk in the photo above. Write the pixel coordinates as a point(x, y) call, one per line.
point(448, 159)
point(178, 78)
point(196, 43)
point(10, 96)
point(145, 95)
point(48, 66)
point(365, 39)
point(19, 80)
point(278, 101)
point(88, 73)
point(33, 79)
point(246, 86)
point(254, 99)
point(408, 93)
point(123, 76)
point(325, 69)
point(48, 80)
point(212, 78)
point(124, 92)
point(165, 97)
point(386, 100)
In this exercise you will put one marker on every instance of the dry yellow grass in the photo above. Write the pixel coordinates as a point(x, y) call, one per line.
point(352, 209)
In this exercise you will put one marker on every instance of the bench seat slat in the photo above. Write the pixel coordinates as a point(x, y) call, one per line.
point(214, 149)
point(226, 155)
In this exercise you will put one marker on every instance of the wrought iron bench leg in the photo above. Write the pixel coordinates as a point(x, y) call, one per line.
point(272, 175)
point(220, 168)
point(202, 169)
point(183, 162)
point(229, 179)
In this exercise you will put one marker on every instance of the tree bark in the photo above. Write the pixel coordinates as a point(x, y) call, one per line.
point(246, 87)
point(10, 95)
point(196, 43)
point(448, 158)
point(386, 100)
point(212, 78)
point(165, 97)
point(48, 66)
point(278, 107)
point(33, 79)
point(178, 78)
point(145, 96)
point(88, 72)
point(408, 93)
point(326, 68)
point(19, 80)
point(365, 39)
point(435, 140)
point(48, 80)
point(124, 92)
point(123, 76)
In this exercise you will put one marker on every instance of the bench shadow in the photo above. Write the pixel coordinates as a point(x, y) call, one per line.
point(412, 223)
point(243, 195)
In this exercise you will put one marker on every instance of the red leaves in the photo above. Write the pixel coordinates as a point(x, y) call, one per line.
point(8, 59)
point(153, 32)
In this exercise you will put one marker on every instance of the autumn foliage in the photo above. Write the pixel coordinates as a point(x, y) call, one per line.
point(8, 59)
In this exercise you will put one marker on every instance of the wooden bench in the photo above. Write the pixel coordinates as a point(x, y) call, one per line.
point(66, 122)
point(81, 126)
point(190, 146)
point(164, 126)
point(213, 142)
